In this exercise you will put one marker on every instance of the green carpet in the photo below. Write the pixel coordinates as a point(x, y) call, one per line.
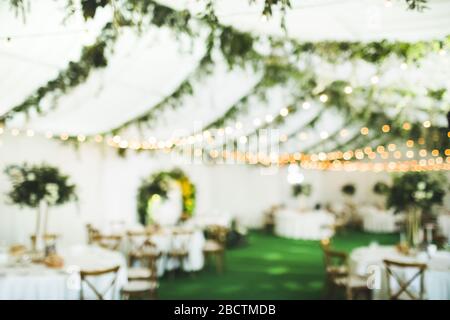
point(269, 267)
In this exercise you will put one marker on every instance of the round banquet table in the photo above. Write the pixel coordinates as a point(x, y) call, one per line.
point(38, 282)
point(194, 242)
point(174, 238)
point(311, 225)
point(437, 274)
point(444, 224)
point(379, 221)
point(165, 239)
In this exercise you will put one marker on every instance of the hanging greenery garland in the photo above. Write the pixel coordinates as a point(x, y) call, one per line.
point(157, 186)
point(92, 57)
point(237, 48)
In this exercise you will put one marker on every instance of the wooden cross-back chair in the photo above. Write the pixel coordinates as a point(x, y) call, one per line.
point(110, 242)
point(338, 274)
point(84, 275)
point(47, 238)
point(215, 245)
point(179, 248)
point(137, 241)
point(91, 233)
point(143, 281)
point(148, 256)
point(405, 284)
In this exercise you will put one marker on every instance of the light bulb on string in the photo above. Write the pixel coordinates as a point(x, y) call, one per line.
point(269, 118)
point(323, 98)
point(348, 89)
point(374, 79)
point(284, 112)
point(306, 105)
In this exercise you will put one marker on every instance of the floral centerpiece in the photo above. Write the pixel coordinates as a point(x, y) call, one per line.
point(416, 193)
point(157, 186)
point(301, 189)
point(39, 187)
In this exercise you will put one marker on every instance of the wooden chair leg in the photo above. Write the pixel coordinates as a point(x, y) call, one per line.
point(218, 263)
point(327, 289)
point(349, 293)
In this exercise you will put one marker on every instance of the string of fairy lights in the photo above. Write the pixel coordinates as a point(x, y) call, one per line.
point(393, 157)
point(152, 143)
point(410, 155)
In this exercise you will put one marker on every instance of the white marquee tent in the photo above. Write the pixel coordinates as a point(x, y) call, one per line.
point(145, 68)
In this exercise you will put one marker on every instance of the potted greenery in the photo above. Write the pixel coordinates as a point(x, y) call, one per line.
point(416, 193)
point(39, 187)
point(381, 189)
point(348, 189)
point(302, 189)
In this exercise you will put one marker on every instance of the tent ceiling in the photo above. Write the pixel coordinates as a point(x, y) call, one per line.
point(144, 69)
point(316, 20)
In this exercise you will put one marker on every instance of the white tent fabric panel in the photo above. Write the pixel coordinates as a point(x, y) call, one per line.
point(316, 20)
point(138, 75)
point(34, 50)
point(144, 69)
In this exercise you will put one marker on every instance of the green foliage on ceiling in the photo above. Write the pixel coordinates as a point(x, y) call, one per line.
point(237, 49)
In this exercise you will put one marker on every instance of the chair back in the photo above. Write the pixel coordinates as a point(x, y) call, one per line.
point(137, 238)
point(86, 277)
point(336, 262)
point(217, 233)
point(48, 239)
point(150, 256)
point(335, 258)
point(110, 242)
point(396, 270)
point(180, 241)
point(91, 233)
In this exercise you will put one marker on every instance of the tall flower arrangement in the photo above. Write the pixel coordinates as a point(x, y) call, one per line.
point(416, 193)
point(39, 187)
point(422, 190)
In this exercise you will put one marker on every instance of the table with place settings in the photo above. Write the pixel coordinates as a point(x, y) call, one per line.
point(35, 281)
point(175, 238)
point(364, 260)
point(444, 225)
point(380, 221)
point(309, 225)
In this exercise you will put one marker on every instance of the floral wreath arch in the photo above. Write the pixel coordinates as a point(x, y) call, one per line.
point(157, 186)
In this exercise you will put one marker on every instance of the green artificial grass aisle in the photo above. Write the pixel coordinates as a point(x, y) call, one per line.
point(269, 267)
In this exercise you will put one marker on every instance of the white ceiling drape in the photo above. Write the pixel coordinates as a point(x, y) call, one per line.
point(146, 68)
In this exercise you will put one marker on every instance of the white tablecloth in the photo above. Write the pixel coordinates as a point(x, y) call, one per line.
point(165, 240)
point(444, 224)
point(364, 260)
point(379, 221)
point(203, 221)
point(312, 225)
point(37, 282)
point(193, 243)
